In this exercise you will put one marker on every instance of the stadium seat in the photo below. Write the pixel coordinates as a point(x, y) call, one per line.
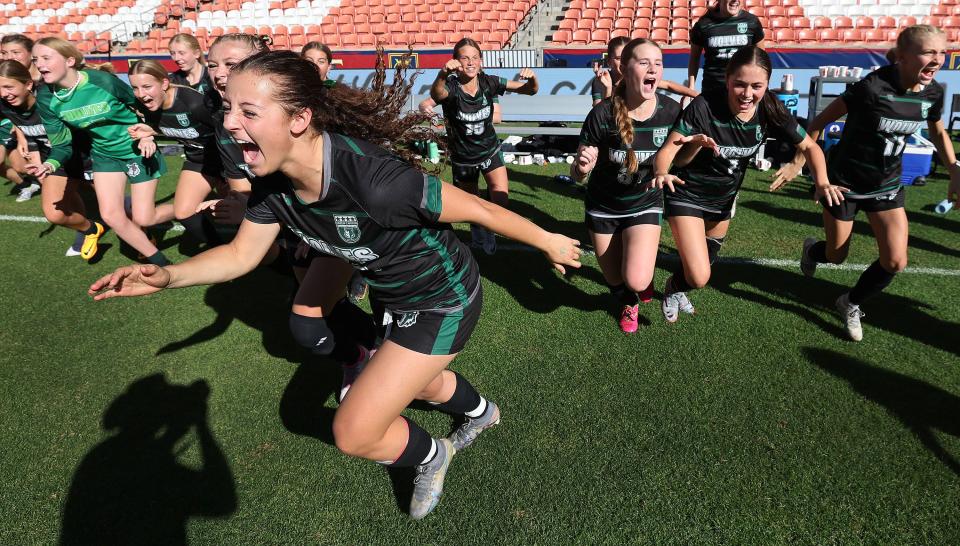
point(779, 22)
point(842, 22)
point(934, 20)
point(951, 22)
point(852, 35)
point(799, 23)
point(875, 35)
point(796, 11)
point(807, 35)
point(776, 11)
point(864, 23)
point(680, 23)
point(661, 23)
point(785, 35)
point(828, 35)
point(906, 21)
point(679, 36)
point(640, 33)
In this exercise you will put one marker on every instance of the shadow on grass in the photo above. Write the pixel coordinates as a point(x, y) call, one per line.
point(811, 297)
point(921, 407)
point(815, 219)
point(261, 300)
point(132, 488)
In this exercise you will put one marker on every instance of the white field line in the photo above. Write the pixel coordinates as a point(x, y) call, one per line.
point(771, 262)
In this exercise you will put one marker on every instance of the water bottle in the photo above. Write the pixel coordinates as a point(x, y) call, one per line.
point(943, 207)
point(433, 152)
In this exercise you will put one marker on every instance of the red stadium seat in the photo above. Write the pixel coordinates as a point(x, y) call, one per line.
point(640, 33)
point(940, 11)
point(828, 35)
point(951, 22)
point(665, 13)
point(680, 23)
point(698, 12)
point(822, 22)
point(618, 32)
point(841, 22)
point(864, 22)
point(605, 24)
point(561, 37)
point(661, 23)
point(776, 11)
point(660, 35)
point(758, 11)
point(623, 24)
point(906, 21)
point(627, 13)
point(785, 35)
point(852, 35)
point(641, 23)
point(779, 22)
point(934, 20)
point(608, 13)
point(798, 23)
point(682, 13)
point(875, 35)
point(580, 37)
point(807, 35)
point(771, 3)
point(600, 36)
point(795, 11)
point(886, 22)
point(679, 36)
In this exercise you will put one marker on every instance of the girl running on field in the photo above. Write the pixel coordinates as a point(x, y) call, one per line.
point(882, 110)
point(60, 198)
point(348, 186)
point(187, 115)
point(467, 96)
point(191, 68)
point(99, 105)
point(623, 209)
point(710, 147)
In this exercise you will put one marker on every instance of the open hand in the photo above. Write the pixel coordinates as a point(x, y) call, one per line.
point(132, 280)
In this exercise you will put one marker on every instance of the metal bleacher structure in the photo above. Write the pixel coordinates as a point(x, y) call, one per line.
point(144, 26)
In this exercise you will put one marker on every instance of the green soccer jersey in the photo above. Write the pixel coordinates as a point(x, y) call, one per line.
point(100, 105)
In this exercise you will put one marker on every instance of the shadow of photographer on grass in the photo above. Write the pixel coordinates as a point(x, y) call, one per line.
point(133, 487)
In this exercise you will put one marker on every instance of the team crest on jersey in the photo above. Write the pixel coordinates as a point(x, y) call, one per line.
point(924, 109)
point(742, 28)
point(347, 227)
point(659, 136)
point(183, 119)
point(759, 133)
point(408, 319)
point(133, 170)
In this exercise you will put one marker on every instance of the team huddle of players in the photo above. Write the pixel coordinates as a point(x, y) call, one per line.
point(327, 176)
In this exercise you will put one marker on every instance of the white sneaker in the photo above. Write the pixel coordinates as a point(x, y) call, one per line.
point(851, 315)
point(674, 303)
point(27, 193)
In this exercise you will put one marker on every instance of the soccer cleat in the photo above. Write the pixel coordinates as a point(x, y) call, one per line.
point(27, 193)
point(89, 248)
point(807, 265)
point(489, 242)
point(674, 303)
point(428, 483)
point(851, 315)
point(647, 295)
point(628, 319)
point(357, 288)
point(352, 371)
point(472, 427)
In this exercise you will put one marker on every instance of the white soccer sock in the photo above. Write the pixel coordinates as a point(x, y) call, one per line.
point(479, 410)
point(432, 454)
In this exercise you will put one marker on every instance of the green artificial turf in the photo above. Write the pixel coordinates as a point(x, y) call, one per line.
point(754, 421)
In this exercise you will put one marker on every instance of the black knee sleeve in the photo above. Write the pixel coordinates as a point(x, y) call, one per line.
point(713, 248)
point(313, 333)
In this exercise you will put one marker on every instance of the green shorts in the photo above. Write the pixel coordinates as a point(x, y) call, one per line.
point(138, 169)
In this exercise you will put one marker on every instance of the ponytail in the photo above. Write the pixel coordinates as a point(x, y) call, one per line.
point(624, 124)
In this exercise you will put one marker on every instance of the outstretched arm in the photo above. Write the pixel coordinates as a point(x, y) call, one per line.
point(460, 206)
point(528, 86)
point(678, 89)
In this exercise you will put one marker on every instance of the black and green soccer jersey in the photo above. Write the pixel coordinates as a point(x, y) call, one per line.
point(712, 180)
point(381, 215)
point(189, 120)
point(6, 133)
point(880, 116)
point(720, 38)
point(470, 131)
point(612, 191)
point(597, 90)
point(100, 105)
point(31, 125)
point(204, 85)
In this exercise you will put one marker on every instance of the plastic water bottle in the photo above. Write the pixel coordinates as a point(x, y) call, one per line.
point(943, 207)
point(433, 152)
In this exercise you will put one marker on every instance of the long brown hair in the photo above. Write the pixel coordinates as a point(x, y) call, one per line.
point(150, 68)
point(69, 50)
point(375, 114)
point(619, 102)
point(10, 68)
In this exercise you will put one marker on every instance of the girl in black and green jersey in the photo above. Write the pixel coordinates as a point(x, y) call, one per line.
point(359, 197)
point(882, 110)
point(60, 197)
point(186, 115)
point(467, 97)
point(604, 82)
point(191, 68)
point(617, 143)
point(709, 147)
point(101, 106)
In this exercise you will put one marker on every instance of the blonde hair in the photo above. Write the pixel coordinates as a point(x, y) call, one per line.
point(150, 68)
point(187, 39)
point(255, 42)
point(70, 51)
point(913, 36)
point(620, 110)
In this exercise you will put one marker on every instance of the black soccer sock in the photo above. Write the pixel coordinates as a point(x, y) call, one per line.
point(90, 230)
point(679, 280)
point(465, 400)
point(420, 447)
point(871, 283)
point(158, 259)
point(818, 252)
point(624, 295)
point(202, 229)
point(713, 248)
